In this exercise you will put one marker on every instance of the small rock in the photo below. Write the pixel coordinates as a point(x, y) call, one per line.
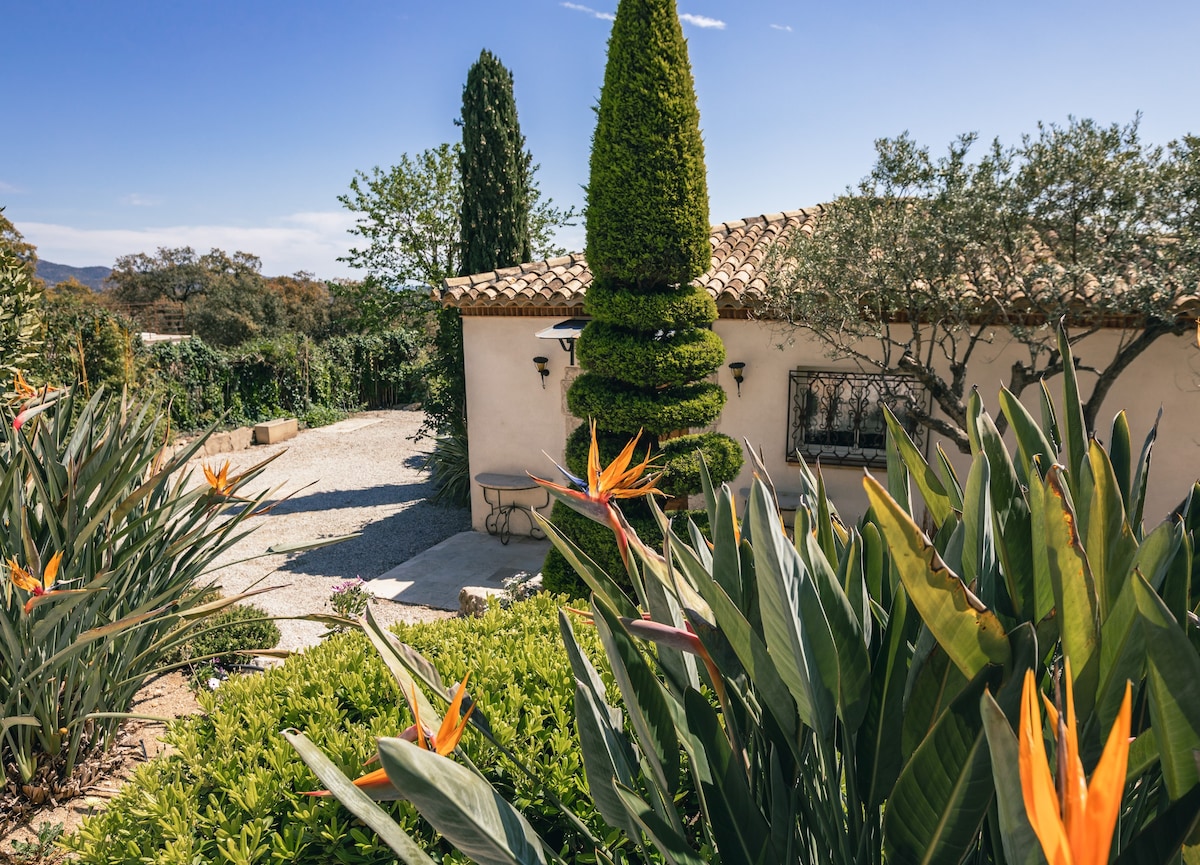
point(473, 600)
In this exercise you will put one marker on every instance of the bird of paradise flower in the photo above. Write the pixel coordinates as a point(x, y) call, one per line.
point(619, 480)
point(1073, 820)
point(377, 785)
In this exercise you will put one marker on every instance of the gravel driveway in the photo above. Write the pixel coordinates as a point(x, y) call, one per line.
point(360, 475)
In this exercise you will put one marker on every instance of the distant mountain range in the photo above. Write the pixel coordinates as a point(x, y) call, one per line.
point(53, 274)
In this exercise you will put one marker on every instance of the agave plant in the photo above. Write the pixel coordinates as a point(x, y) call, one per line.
point(851, 695)
point(107, 549)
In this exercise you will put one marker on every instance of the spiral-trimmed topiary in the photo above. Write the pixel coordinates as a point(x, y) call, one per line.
point(649, 347)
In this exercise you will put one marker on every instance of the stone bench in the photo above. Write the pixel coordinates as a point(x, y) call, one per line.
point(277, 430)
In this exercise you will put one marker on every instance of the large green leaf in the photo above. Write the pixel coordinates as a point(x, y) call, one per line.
point(943, 793)
point(1109, 542)
point(1074, 590)
point(879, 760)
point(359, 803)
point(607, 755)
point(737, 825)
point(970, 633)
point(461, 805)
point(1161, 839)
point(979, 548)
point(667, 839)
point(785, 589)
point(1031, 440)
point(1076, 438)
point(937, 501)
point(1173, 675)
point(1021, 846)
point(644, 698)
point(844, 661)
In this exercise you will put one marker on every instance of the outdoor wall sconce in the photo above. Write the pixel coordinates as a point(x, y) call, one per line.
point(540, 362)
point(739, 372)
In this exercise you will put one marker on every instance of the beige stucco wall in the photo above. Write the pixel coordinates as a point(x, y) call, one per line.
point(513, 420)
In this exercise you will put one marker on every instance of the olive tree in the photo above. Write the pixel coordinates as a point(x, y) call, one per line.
point(930, 259)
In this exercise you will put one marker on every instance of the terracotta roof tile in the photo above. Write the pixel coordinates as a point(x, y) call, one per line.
point(738, 251)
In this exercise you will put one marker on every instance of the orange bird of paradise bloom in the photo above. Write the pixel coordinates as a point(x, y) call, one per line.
point(378, 785)
point(220, 481)
point(1074, 820)
point(619, 480)
point(22, 579)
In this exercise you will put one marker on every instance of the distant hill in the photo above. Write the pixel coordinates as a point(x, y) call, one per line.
point(53, 274)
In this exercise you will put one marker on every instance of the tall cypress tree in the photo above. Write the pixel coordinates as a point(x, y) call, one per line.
point(649, 349)
point(495, 170)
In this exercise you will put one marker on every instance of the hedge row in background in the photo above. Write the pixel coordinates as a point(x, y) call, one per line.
point(290, 375)
point(231, 790)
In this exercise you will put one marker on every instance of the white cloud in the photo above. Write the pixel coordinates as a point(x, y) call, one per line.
point(8, 188)
point(786, 28)
point(302, 241)
point(702, 21)
point(603, 16)
point(136, 199)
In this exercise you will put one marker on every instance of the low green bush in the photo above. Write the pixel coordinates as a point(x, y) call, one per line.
point(226, 635)
point(231, 789)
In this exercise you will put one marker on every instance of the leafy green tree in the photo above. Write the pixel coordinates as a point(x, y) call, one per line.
point(20, 294)
point(410, 218)
point(649, 348)
point(224, 298)
point(931, 260)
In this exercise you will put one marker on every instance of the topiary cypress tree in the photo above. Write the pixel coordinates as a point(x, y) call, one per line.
point(649, 348)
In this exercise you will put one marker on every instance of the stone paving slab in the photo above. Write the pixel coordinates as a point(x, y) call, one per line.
point(434, 577)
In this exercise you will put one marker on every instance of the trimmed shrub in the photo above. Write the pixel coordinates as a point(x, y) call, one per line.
point(681, 461)
point(657, 411)
point(647, 194)
point(227, 633)
point(650, 360)
point(673, 309)
point(231, 789)
point(597, 541)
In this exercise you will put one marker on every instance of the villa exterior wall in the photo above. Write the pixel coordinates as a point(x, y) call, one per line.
point(513, 420)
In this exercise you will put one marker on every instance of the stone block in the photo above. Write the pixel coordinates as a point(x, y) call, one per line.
point(241, 438)
point(274, 431)
point(473, 600)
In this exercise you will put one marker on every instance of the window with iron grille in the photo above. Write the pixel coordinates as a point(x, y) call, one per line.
point(837, 417)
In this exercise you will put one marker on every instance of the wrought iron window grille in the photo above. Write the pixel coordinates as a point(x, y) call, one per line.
point(837, 416)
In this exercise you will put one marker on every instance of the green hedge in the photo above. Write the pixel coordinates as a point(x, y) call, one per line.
point(230, 791)
point(289, 375)
point(624, 409)
point(670, 360)
point(673, 308)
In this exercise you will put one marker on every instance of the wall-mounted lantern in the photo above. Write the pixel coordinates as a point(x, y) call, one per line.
point(540, 362)
point(739, 373)
point(566, 332)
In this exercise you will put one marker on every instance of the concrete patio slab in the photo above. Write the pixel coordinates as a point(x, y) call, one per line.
point(435, 577)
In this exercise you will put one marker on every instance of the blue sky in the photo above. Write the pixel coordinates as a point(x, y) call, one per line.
point(237, 123)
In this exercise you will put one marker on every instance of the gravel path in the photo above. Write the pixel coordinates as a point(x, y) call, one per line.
point(360, 475)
